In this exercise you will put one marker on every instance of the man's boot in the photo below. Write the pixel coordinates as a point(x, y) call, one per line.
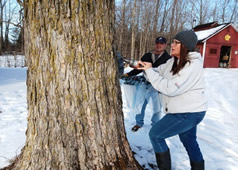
point(197, 165)
point(163, 160)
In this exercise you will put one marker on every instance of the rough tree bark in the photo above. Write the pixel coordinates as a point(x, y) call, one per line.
point(75, 116)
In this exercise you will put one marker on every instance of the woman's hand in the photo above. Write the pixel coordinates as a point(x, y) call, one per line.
point(144, 65)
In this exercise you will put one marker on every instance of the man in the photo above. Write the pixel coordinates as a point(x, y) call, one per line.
point(157, 57)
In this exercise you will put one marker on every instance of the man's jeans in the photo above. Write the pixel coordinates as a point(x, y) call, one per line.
point(182, 124)
point(149, 93)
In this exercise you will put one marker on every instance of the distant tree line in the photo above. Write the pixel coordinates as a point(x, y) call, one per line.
point(139, 22)
point(11, 27)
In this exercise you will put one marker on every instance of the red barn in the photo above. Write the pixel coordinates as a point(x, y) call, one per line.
point(218, 44)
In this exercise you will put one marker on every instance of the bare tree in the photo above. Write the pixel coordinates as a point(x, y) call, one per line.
point(133, 25)
point(155, 22)
point(201, 12)
point(137, 53)
point(9, 13)
point(223, 11)
point(165, 12)
point(234, 10)
point(75, 118)
point(180, 16)
point(21, 25)
point(146, 27)
point(215, 13)
point(172, 20)
point(9, 25)
point(122, 27)
point(2, 5)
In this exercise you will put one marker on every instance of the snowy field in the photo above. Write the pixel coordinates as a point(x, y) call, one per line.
point(13, 112)
point(217, 133)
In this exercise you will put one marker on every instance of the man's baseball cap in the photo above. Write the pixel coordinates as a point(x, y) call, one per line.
point(160, 40)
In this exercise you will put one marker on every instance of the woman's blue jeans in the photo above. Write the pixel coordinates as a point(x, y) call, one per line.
point(182, 124)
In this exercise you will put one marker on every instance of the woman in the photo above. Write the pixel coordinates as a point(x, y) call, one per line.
point(181, 84)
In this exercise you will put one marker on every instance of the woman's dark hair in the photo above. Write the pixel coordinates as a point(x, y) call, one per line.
point(177, 66)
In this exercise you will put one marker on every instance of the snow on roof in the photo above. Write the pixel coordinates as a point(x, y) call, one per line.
point(204, 34)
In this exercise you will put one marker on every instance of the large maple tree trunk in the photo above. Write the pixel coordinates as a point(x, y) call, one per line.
point(75, 116)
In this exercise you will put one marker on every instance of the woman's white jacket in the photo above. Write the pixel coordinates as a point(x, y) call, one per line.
point(183, 92)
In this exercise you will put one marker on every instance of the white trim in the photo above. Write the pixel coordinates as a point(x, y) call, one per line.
point(220, 31)
point(204, 52)
point(234, 27)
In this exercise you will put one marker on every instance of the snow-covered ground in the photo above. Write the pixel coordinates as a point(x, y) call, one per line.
point(13, 112)
point(217, 134)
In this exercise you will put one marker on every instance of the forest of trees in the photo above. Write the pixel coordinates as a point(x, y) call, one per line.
point(139, 22)
point(11, 27)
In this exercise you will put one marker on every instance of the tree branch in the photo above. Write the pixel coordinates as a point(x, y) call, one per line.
point(20, 3)
point(16, 25)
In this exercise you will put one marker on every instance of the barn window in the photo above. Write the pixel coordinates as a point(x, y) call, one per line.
point(213, 51)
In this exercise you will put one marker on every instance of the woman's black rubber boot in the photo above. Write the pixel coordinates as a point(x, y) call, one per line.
point(163, 160)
